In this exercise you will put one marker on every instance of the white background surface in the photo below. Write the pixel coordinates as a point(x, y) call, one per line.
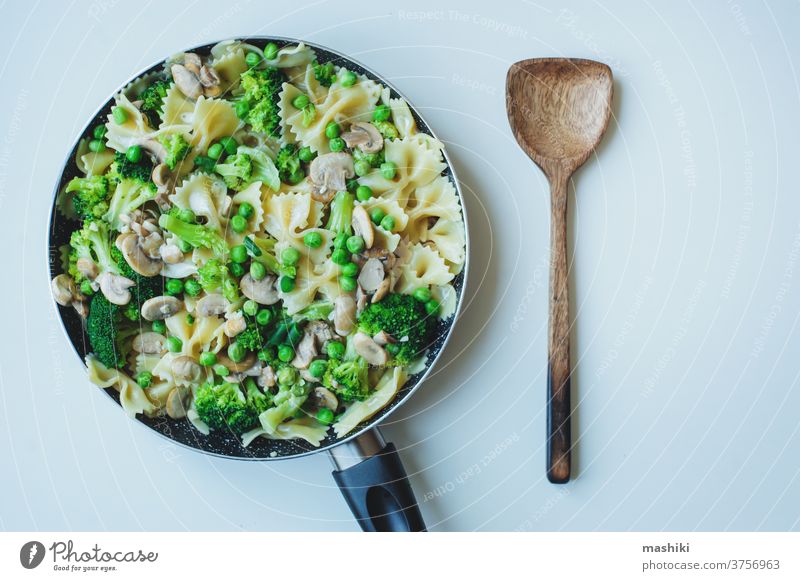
point(686, 230)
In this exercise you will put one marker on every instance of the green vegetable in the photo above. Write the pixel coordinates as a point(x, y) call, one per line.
point(177, 148)
point(250, 307)
point(236, 269)
point(387, 129)
point(348, 79)
point(226, 406)
point(262, 88)
point(108, 336)
point(205, 164)
point(288, 164)
point(400, 316)
point(373, 159)
point(192, 288)
point(300, 101)
point(377, 215)
point(92, 241)
point(355, 244)
point(271, 51)
point(134, 153)
point(285, 353)
point(159, 327)
point(292, 394)
point(387, 223)
point(208, 358)
point(236, 171)
point(363, 193)
point(221, 370)
point(174, 286)
point(128, 195)
point(332, 130)
point(306, 154)
point(252, 59)
point(309, 114)
point(340, 242)
point(266, 256)
point(325, 74)
point(316, 311)
point(152, 99)
point(187, 215)
point(317, 368)
point(257, 270)
point(336, 144)
point(229, 144)
point(215, 151)
point(389, 170)
point(100, 131)
point(381, 113)
point(432, 307)
point(97, 145)
point(422, 294)
point(194, 234)
point(335, 349)
point(264, 317)
point(349, 380)
point(120, 115)
point(239, 223)
point(236, 352)
point(341, 213)
point(348, 283)
point(174, 344)
point(124, 168)
point(91, 196)
point(290, 256)
point(312, 239)
point(246, 210)
point(286, 284)
point(239, 254)
point(362, 168)
point(340, 256)
point(350, 269)
point(325, 416)
point(144, 379)
point(214, 275)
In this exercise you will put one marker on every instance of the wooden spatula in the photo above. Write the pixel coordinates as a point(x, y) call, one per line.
point(558, 110)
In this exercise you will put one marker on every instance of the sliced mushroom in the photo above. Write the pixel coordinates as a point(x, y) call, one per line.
point(160, 308)
point(372, 353)
point(211, 305)
point(362, 225)
point(241, 366)
point(361, 299)
point(344, 314)
point(306, 351)
point(261, 291)
point(87, 268)
point(115, 288)
point(382, 291)
point(329, 174)
point(266, 378)
point(81, 307)
point(162, 176)
point(187, 81)
point(322, 397)
point(235, 324)
point(321, 330)
point(155, 148)
point(64, 289)
point(184, 368)
point(136, 256)
point(365, 136)
point(176, 404)
point(208, 76)
point(150, 343)
point(192, 62)
point(383, 338)
point(170, 253)
point(371, 275)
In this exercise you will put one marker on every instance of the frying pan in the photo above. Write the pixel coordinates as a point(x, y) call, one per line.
point(368, 470)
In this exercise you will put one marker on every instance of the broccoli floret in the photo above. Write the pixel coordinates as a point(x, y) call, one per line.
point(263, 169)
point(251, 338)
point(292, 394)
point(195, 234)
point(91, 196)
point(349, 380)
point(262, 88)
point(400, 316)
point(387, 129)
point(288, 164)
point(123, 168)
point(256, 399)
point(236, 171)
point(225, 406)
point(373, 159)
point(316, 311)
point(325, 74)
point(266, 255)
point(145, 287)
point(177, 148)
point(107, 336)
point(92, 241)
point(341, 213)
point(128, 195)
point(152, 99)
point(214, 276)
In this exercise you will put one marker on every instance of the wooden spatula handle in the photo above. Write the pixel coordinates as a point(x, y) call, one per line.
point(559, 438)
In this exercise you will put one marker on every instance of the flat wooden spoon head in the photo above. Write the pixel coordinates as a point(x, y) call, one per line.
point(558, 109)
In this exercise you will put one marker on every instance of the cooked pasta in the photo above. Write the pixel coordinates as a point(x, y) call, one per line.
point(263, 244)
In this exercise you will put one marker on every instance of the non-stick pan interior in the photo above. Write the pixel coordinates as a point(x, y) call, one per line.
point(220, 442)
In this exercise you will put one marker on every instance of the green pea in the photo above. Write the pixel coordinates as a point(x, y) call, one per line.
point(317, 368)
point(340, 256)
point(306, 154)
point(236, 352)
point(336, 144)
point(215, 151)
point(271, 51)
point(252, 59)
point(387, 223)
point(120, 115)
point(100, 131)
point(290, 256)
point(257, 270)
point(250, 307)
point(242, 108)
point(208, 358)
point(388, 170)
point(332, 130)
point(134, 153)
point(229, 143)
point(363, 193)
point(174, 286)
point(189, 319)
point(432, 307)
point(362, 168)
point(350, 269)
point(144, 379)
point(381, 113)
point(300, 101)
point(221, 370)
point(239, 223)
point(325, 416)
point(186, 215)
point(264, 317)
point(340, 242)
point(335, 349)
point(312, 239)
point(183, 245)
point(236, 269)
point(348, 283)
point(239, 253)
point(377, 215)
point(266, 354)
point(355, 244)
point(192, 288)
point(96, 145)
point(159, 327)
point(286, 284)
point(349, 79)
point(285, 353)
point(246, 210)
point(422, 294)
point(174, 344)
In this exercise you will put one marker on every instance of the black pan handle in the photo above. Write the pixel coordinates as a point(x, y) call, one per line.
point(375, 485)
